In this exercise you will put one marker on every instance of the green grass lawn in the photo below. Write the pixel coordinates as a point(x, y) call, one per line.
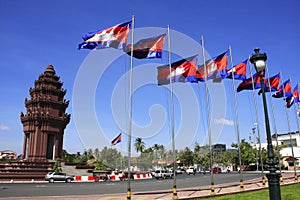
point(288, 192)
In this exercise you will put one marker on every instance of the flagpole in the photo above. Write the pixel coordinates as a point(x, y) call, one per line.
point(130, 112)
point(258, 129)
point(274, 124)
point(290, 134)
point(298, 114)
point(236, 122)
point(295, 109)
point(172, 117)
point(212, 184)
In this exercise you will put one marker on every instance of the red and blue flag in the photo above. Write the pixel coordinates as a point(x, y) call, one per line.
point(238, 71)
point(251, 82)
point(271, 84)
point(296, 94)
point(294, 98)
point(285, 90)
point(117, 140)
point(215, 68)
point(114, 37)
point(147, 48)
point(181, 71)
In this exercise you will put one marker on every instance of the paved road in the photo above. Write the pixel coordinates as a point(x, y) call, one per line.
point(91, 188)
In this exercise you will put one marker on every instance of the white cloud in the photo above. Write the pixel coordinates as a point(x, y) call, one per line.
point(4, 128)
point(224, 121)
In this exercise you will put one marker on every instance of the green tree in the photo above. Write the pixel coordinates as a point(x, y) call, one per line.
point(156, 148)
point(77, 158)
point(87, 156)
point(248, 153)
point(97, 154)
point(139, 145)
point(144, 161)
point(201, 155)
point(100, 166)
point(186, 156)
point(162, 152)
point(111, 157)
point(169, 155)
point(57, 165)
point(68, 157)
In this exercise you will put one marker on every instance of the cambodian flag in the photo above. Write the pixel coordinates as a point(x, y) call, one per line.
point(285, 90)
point(147, 48)
point(272, 84)
point(238, 71)
point(181, 71)
point(117, 140)
point(248, 84)
point(294, 98)
point(296, 94)
point(215, 68)
point(115, 37)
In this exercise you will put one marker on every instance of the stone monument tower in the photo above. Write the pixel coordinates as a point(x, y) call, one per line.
point(45, 118)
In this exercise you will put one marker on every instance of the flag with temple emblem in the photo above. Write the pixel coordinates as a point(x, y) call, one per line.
point(181, 71)
point(215, 68)
point(238, 72)
point(251, 82)
point(117, 140)
point(147, 48)
point(285, 90)
point(114, 37)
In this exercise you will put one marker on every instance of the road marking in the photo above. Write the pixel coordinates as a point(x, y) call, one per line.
point(110, 184)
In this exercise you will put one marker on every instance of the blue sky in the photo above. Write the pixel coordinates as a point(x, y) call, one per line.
point(37, 33)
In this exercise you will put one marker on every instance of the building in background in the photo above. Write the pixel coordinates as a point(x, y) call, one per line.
point(287, 141)
point(219, 148)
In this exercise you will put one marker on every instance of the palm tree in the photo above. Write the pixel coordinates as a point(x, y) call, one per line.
point(97, 154)
point(156, 148)
point(162, 152)
point(139, 145)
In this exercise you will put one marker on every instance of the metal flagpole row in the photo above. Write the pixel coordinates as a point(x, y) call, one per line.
point(274, 123)
point(172, 117)
point(236, 122)
point(289, 129)
point(130, 112)
point(212, 186)
point(258, 129)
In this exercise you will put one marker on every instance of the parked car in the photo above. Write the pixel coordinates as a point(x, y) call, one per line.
point(179, 171)
point(191, 170)
point(216, 170)
point(58, 176)
point(161, 173)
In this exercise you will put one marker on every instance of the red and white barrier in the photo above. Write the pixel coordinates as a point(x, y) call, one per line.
point(84, 178)
point(113, 177)
point(142, 176)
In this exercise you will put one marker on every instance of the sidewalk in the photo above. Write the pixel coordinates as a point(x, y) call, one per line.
point(188, 193)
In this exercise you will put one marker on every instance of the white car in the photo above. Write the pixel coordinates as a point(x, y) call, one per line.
point(179, 171)
point(163, 174)
point(58, 176)
point(190, 170)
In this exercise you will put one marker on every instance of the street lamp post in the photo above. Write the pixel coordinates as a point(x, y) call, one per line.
point(258, 59)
